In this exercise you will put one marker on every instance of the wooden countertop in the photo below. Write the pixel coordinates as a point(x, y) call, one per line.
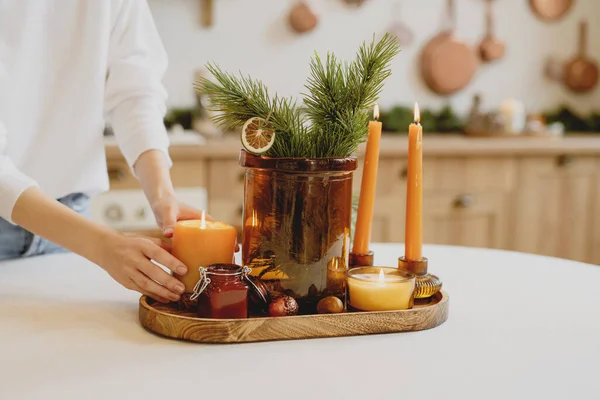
point(434, 145)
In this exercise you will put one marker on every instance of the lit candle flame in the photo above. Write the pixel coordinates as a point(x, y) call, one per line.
point(417, 113)
point(381, 276)
point(376, 112)
point(203, 220)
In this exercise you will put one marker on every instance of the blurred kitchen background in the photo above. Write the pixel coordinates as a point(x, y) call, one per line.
point(511, 113)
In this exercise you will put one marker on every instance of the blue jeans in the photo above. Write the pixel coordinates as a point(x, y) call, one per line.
point(17, 242)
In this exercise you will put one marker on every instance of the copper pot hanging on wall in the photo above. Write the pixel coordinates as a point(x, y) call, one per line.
point(302, 19)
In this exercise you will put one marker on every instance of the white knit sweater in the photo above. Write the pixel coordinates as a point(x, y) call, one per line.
point(66, 66)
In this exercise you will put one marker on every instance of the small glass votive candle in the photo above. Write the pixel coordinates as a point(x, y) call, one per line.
point(380, 289)
point(222, 291)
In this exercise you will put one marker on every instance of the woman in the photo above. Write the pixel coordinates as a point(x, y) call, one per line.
point(66, 68)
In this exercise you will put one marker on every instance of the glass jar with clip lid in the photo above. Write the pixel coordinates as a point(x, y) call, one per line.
point(222, 291)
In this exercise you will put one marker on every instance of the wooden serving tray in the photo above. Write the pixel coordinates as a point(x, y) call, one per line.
point(166, 320)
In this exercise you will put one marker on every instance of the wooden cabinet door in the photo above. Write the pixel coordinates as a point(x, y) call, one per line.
point(446, 181)
point(466, 219)
point(555, 207)
point(226, 190)
point(388, 220)
point(466, 200)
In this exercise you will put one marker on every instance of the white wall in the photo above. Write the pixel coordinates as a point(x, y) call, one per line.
point(253, 36)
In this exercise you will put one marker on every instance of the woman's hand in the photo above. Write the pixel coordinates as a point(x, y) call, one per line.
point(127, 260)
point(152, 171)
point(169, 210)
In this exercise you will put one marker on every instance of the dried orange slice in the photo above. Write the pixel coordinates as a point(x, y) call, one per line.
point(257, 135)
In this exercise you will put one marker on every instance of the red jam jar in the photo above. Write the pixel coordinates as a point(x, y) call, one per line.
point(222, 292)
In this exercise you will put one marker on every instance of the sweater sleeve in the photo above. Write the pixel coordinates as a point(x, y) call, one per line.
point(135, 97)
point(12, 181)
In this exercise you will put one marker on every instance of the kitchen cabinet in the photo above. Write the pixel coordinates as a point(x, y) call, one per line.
point(388, 220)
point(466, 200)
point(390, 201)
point(466, 219)
point(468, 173)
point(226, 190)
point(556, 207)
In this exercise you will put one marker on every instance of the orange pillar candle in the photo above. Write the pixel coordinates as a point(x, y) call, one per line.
point(366, 201)
point(200, 243)
point(414, 191)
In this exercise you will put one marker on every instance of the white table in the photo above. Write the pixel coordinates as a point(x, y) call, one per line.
point(520, 326)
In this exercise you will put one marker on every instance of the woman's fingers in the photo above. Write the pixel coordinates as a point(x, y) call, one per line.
point(135, 287)
point(163, 257)
point(163, 244)
point(186, 213)
point(158, 275)
point(153, 289)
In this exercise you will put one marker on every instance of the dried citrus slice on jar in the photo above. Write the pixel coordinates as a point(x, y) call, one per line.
point(257, 135)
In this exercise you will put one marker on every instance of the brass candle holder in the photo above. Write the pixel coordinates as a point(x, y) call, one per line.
point(426, 284)
point(361, 260)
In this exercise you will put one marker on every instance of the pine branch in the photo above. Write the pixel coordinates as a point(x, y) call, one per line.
point(339, 96)
point(333, 121)
point(369, 71)
point(326, 86)
point(237, 99)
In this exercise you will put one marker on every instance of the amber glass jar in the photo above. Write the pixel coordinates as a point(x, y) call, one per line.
point(296, 225)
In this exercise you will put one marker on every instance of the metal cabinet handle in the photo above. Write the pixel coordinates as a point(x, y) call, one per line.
point(564, 160)
point(116, 174)
point(403, 173)
point(463, 201)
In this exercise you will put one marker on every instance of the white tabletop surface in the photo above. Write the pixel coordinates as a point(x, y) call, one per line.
point(520, 327)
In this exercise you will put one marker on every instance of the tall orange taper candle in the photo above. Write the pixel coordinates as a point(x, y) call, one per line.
point(200, 243)
point(414, 191)
point(366, 201)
